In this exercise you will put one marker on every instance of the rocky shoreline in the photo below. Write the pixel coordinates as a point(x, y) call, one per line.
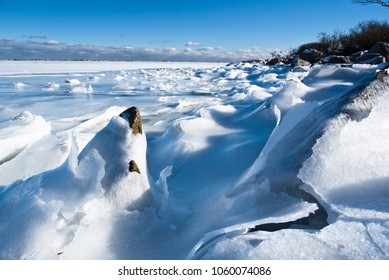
point(377, 54)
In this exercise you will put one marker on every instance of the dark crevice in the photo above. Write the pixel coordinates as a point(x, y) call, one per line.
point(315, 221)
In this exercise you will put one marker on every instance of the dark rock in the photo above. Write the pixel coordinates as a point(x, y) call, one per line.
point(288, 60)
point(370, 58)
point(133, 167)
point(353, 57)
point(310, 55)
point(381, 48)
point(132, 115)
point(336, 59)
point(274, 61)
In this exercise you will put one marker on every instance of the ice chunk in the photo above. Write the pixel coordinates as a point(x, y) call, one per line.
point(51, 86)
point(45, 154)
point(21, 132)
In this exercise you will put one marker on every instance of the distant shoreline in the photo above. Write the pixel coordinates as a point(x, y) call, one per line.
point(96, 60)
point(29, 67)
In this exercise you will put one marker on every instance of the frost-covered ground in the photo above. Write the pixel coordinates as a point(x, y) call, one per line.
point(236, 161)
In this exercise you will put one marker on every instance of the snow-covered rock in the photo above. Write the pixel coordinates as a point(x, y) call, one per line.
point(51, 86)
point(73, 82)
point(121, 142)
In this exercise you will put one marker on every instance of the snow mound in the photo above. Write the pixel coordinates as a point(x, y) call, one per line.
point(256, 92)
point(19, 85)
point(73, 82)
point(123, 87)
point(81, 89)
point(119, 78)
point(94, 79)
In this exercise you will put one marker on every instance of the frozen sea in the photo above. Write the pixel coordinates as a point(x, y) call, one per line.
point(237, 161)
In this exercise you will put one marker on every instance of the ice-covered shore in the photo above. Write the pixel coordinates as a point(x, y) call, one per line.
point(235, 161)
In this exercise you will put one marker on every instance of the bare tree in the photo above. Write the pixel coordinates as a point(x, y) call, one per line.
point(383, 3)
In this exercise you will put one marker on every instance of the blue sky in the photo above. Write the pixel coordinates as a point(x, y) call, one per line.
point(210, 24)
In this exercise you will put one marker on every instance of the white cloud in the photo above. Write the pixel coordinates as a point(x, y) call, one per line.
point(192, 44)
point(206, 49)
point(54, 50)
point(52, 42)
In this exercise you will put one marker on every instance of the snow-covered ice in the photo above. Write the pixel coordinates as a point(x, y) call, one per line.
point(237, 161)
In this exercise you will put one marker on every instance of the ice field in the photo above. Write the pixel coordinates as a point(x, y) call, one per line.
point(236, 161)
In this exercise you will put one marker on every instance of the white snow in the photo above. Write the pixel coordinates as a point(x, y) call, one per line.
point(227, 152)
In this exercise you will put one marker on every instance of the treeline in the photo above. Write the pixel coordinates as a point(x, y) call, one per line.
point(362, 37)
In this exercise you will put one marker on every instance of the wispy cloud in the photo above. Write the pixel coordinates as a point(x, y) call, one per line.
point(162, 42)
point(54, 50)
point(192, 44)
point(32, 37)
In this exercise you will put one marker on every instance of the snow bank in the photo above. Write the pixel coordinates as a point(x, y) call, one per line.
point(45, 210)
point(348, 168)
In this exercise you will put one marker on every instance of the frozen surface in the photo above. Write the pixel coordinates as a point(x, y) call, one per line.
point(237, 161)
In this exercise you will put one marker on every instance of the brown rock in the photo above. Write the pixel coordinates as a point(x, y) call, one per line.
point(133, 167)
point(132, 115)
point(300, 62)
